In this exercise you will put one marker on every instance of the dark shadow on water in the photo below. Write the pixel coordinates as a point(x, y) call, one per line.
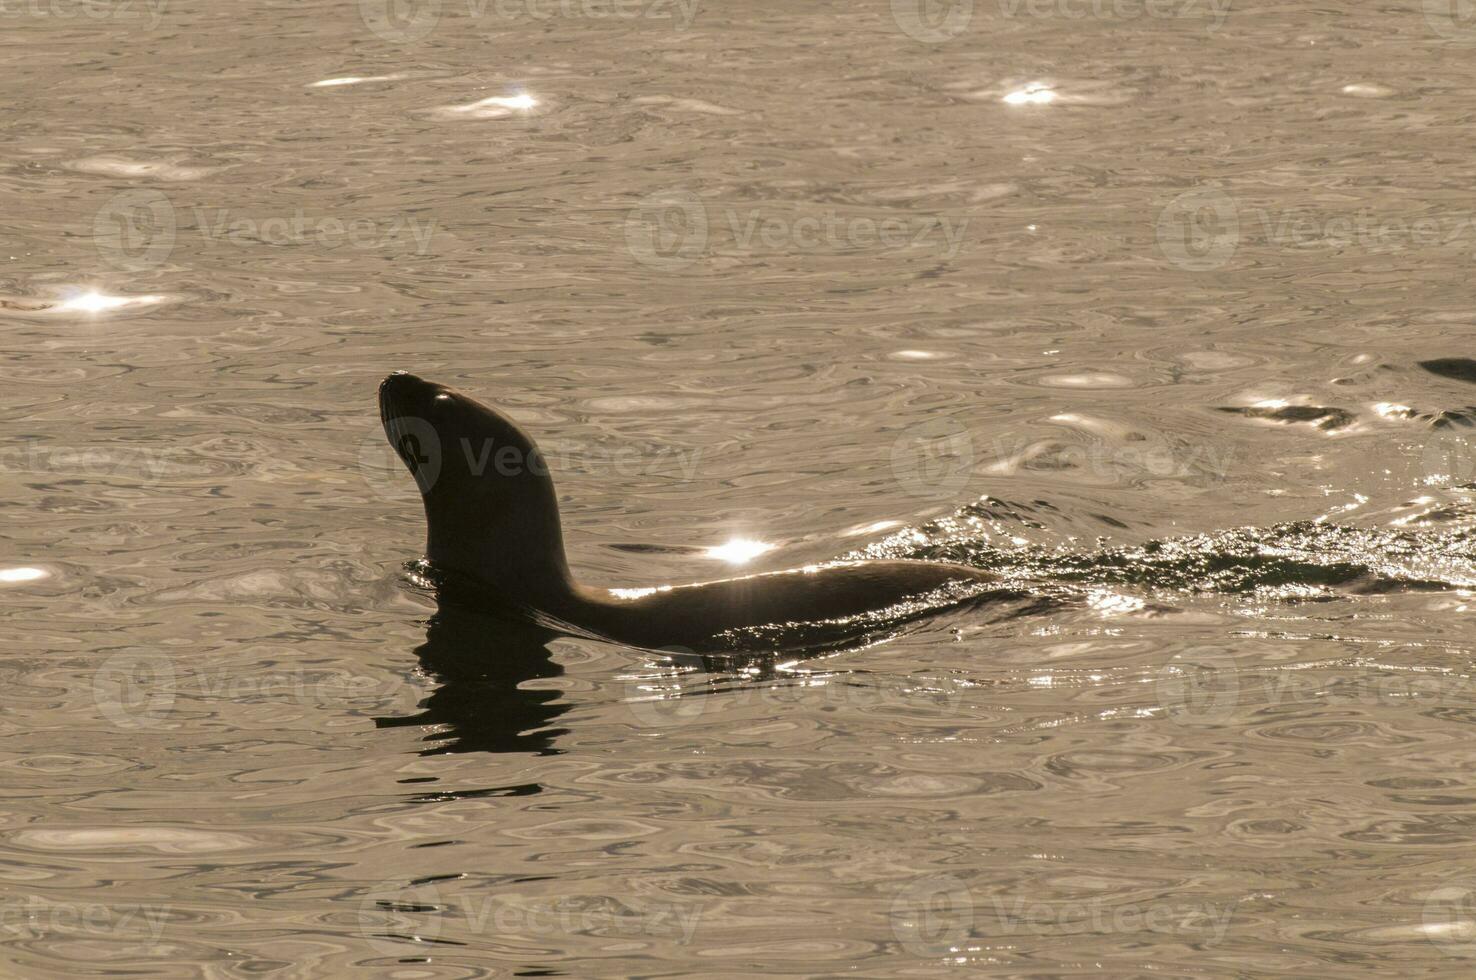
point(481, 661)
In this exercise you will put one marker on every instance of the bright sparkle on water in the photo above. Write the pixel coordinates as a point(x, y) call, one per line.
point(739, 550)
point(93, 301)
point(355, 80)
point(22, 573)
point(495, 107)
point(520, 101)
point(1031, 95)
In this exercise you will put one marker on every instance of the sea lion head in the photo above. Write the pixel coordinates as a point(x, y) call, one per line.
point(490, 505)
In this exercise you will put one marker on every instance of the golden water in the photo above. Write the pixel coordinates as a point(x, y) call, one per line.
point(771, 282)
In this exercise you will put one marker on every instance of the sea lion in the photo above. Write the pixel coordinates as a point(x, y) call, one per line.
point(492, 527)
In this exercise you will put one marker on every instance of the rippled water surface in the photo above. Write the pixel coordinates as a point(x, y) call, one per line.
point(1158, 310)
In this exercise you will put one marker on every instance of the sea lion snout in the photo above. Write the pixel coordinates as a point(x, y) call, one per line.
point(403, 394)
point(399, 384)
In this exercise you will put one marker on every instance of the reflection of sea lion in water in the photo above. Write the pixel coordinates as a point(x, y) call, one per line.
point(492, 518)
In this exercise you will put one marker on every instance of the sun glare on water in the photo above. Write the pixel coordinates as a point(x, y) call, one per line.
point(520, 101)
point(93, 301)
point(737, 551)
point(495, 107)
point(1031, 95)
